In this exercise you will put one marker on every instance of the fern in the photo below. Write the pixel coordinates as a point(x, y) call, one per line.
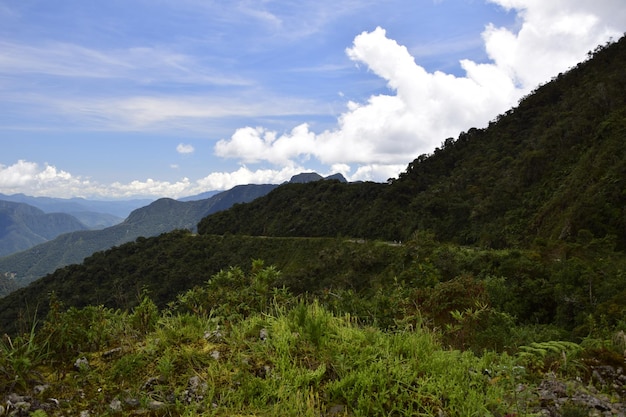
point(553, 355)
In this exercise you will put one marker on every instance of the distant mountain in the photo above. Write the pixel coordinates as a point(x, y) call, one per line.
point(306, 177)
point(23, 226)
point(201, 196)
point(161, 216)
point(95, 214)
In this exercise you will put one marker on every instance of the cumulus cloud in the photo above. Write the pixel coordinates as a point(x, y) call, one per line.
point(36, 180)
point(389, 130)
point(184, 148)
point(24, 176)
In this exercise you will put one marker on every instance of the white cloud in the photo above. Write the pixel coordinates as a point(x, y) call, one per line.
point(29, 178)
point(142, 65)
point(227, 180)
point(184, 148)
point(17, 175)
point(258, 144)
point(184, 112)
point(389, 130)
point(32, 179)
point(554, 36)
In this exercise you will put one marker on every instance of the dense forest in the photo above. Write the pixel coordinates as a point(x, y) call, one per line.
point(551, 167)
point(489, 278)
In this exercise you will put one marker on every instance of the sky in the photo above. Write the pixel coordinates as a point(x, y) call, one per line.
point(123, 99)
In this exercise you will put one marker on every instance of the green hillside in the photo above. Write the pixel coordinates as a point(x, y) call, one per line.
point(488, 279)
point(548, 169)
point(161, 216)
point(23, 226)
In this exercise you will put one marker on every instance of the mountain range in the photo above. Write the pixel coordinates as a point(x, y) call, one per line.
point(537, 201)
point(75, 242)
point(23, 226)
point(95, 214)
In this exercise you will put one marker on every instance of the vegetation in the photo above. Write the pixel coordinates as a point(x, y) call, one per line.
point(488, 279)
point(237, 345)
point(548, 169)
point(161, 216)
point(23, 226)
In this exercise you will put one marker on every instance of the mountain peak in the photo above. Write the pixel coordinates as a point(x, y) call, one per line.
point(305, 177)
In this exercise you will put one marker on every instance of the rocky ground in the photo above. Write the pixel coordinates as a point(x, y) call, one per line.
point(553, 397)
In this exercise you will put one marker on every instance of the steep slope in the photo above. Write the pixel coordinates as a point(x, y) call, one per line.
point(552, 168)
point(161, 216)
point(23, 226)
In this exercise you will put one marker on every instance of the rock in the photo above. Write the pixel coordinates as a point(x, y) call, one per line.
point(38, 389)
point(213, 335)
point(110, 353)
point(81, 364)
point(85, 413)
point(263, 334)
point(558, 398)
point(215, 354)
point(195, 391)
point(150, 383)
point(155, 405)
point(133, 402)
point(336, 410)
point(115, 405)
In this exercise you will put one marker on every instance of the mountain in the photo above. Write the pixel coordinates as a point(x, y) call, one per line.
point(549, 173)
point(95, 214)
point(307, 177)
point(23, 226)
point(158, 217)
point(511, 275)
point(201, 196)
point(117, 208)
point(161, 216)
point(551, 169)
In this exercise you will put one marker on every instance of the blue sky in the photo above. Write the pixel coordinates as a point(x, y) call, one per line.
point(134, 98)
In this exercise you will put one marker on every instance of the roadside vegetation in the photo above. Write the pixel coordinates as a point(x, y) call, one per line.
point(240, 345)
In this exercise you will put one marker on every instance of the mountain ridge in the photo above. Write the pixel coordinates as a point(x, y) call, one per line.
point(549, 169)
point(23, 226)
point(534, 202)
point(160, 216)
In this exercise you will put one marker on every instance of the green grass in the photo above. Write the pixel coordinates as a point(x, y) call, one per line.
point(287, 356)
point(311, 361)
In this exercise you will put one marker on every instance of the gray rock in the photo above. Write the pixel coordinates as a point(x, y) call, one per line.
point(263, 334)
point(38, 389)
point(110, 353)
point(195, 391)
point(155, 405)
point(81, 364)
point(133, 402)
point(214, 335)
point(115, 405)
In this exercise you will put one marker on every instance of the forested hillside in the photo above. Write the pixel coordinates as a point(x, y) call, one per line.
point(549, 169)
point(489, 279)
point(158, 217)
point(23, 226)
